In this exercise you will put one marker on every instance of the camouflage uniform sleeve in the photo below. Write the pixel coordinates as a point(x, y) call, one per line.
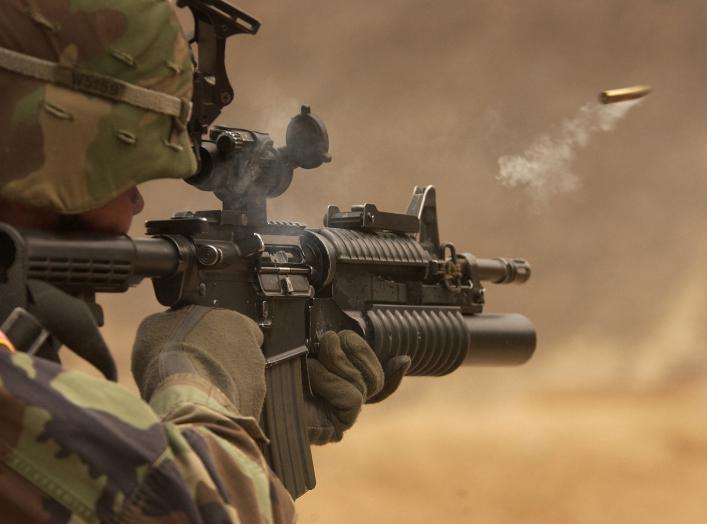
point(74, 448)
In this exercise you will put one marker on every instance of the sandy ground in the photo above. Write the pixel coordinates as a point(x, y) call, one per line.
point(542, 457)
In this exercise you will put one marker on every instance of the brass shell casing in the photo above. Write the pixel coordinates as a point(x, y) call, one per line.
point(623, 94)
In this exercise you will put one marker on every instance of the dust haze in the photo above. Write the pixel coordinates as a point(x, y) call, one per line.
point(421, 92)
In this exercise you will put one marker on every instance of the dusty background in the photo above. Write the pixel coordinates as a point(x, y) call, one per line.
point(607, 423)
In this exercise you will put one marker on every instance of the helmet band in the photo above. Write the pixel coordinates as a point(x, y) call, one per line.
point(96, 84)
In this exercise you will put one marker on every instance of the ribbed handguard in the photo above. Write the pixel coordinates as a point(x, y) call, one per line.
point(360, 247)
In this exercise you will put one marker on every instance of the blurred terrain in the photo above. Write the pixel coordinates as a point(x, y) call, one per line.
point(607, 422)
point(553, 458)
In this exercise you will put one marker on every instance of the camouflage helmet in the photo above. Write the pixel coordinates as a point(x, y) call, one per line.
point(96, 95)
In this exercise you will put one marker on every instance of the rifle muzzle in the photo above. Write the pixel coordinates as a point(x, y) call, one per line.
point(500, 270)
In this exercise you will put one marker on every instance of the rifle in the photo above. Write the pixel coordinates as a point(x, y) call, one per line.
point(383, 275)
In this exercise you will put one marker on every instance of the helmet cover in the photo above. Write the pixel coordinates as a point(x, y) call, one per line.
point(66, 147)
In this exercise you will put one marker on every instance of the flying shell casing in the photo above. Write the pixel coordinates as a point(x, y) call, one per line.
point(624, 94)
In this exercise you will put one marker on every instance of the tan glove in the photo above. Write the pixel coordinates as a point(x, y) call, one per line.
point(344, 375)
point(219, 345)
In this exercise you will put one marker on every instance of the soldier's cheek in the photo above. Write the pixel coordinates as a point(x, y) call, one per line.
point(116, 216)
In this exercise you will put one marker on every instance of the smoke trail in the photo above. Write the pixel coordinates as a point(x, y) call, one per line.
point(276, 116)
point(545, 168)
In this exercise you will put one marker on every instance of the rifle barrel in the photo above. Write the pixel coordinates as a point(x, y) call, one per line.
point(503, 270)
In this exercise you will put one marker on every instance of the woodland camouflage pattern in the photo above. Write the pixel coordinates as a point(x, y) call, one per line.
point(70, 152)
point(75, 449)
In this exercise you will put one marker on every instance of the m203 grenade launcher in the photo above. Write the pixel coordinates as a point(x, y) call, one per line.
point(385, 276)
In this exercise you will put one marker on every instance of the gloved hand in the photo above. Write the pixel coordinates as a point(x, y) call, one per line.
point(219, 345)
point(394, 370)
point(344, 375)
point(223, 348)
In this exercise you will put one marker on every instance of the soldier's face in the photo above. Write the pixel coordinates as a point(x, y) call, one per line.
point(116, 216)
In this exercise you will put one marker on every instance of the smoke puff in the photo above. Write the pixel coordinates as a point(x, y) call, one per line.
point(545, 167)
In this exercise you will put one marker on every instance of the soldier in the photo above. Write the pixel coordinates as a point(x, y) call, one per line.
point(95, 98)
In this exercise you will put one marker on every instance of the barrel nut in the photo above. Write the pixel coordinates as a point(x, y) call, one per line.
point(208, 255)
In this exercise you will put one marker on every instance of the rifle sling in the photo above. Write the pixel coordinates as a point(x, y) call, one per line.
point(69, 320)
